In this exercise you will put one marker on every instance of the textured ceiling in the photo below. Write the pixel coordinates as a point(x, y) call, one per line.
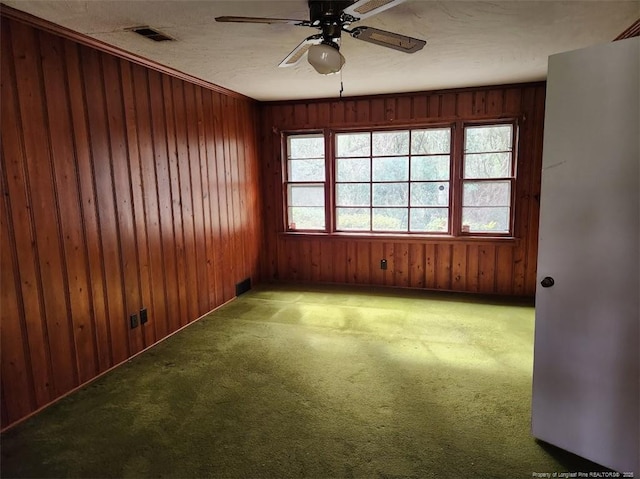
point(468, 43)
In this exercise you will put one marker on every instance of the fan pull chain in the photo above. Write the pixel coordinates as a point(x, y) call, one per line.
point(341, 84)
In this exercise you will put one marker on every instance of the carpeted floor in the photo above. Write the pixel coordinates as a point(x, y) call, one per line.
point(318, 382)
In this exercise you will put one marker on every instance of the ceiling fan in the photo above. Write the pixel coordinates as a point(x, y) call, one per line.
point(332, 18)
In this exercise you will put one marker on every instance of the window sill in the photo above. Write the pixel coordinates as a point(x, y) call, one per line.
point(401, 238)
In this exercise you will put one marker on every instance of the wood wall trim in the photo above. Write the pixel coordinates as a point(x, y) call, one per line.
point(444, 239)
point(632, 31)
point(83, 39)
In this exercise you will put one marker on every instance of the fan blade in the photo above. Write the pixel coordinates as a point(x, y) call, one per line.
point(289, 21)
point(366, 8)
point(388, 39)
point(298, 52)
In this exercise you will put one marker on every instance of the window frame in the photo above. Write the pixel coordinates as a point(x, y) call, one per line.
point(284, 147)
point(409, 155)
point(460, 179)
point(456, 179)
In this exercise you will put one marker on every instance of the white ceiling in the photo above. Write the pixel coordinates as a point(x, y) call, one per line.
point(469, 43)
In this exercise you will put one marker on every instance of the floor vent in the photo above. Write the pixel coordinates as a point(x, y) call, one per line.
point(243, 286)
point(151, 34)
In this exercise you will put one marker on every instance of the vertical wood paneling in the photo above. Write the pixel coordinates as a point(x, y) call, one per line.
point(401, 263)
point(377, 254)
point(194, 184)
point(434, 108)
point(87, 194)
point(152, 201)
point(420, 105)
point(316, 261)
point(364, 263)
point(326, 261)
point(459, 267)
point(174, 197)
point(25, 331)
point(430, 262)
point(15, 367)
point(533, 187)
point(443, 266)
point(304, 261)
point(486, 268)
point(186, 199)
point(416, 265)
point(352, 262)
point(390, 273)
point(207, 234)
point(504, 269)
point(458, 264)
point(140, 227)
point(126, 235)
point(168, 305)
point(42, 192)
point(224, 194)
point(69, 207)
point(105, 210)
point(473, 272)
point(113, 181)
point(339, 262)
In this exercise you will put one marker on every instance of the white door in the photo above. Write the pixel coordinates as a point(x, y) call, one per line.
point(586, 376)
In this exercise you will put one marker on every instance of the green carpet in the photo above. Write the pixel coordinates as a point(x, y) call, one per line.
point(319, 382)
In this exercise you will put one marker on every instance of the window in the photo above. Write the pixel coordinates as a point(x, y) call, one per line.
point(395, 181)
point(402, 181)
point(488, 179)
point(306, 175)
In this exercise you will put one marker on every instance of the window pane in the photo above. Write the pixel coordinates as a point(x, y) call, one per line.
point(306, 146)
point(482, 139)
point(353, 144)
point(430, 142)
point(306, 218)
point(429, 194)
point(429, 220)
point(390, 219)
point(306, 170)
point(353, 169)
point(391, 169)
point(486, 193)
point(390, 194)
point(306, 195)
point(487, 165)
point(353, 194)
point(424, 168)
point(494, 220)
point(353, 219)
point(390, 143)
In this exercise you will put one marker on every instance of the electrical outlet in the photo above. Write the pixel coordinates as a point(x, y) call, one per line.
point(133, 321)
point(143, 316)
point(383, 264)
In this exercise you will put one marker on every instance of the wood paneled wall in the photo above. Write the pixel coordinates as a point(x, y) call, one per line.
point(122, 188)
point(471, 265)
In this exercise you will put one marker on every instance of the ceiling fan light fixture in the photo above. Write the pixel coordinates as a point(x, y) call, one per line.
point(325, 58)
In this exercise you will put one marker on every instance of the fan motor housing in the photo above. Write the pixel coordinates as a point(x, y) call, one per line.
point(323, 10)
point(327, 14)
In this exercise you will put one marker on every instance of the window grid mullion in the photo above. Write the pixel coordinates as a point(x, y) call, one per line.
point(455, 192)
point(410, 185)
point(329, 189)
point(370, 181)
